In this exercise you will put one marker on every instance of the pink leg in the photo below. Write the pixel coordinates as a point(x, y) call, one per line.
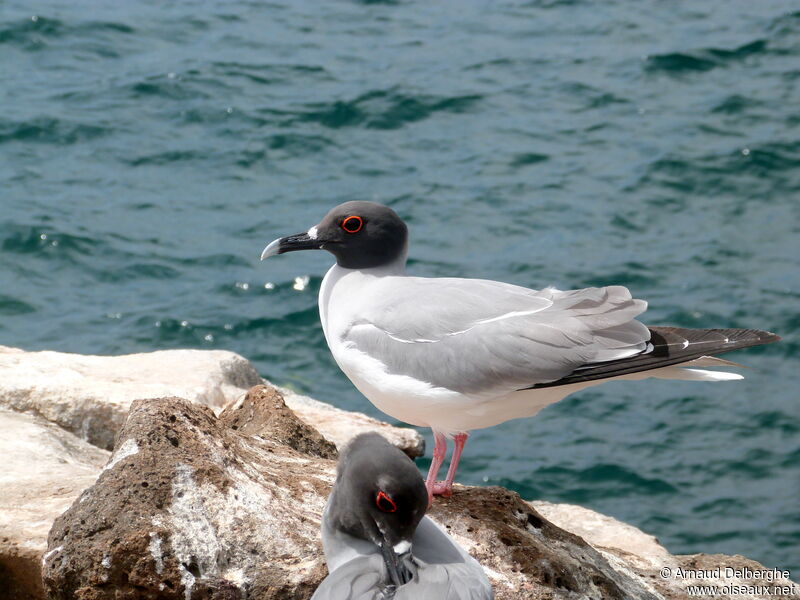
point(439, 451)
point(446, 488)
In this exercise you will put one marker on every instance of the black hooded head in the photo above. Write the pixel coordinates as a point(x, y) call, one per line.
point(380, 494)
point(361, 235)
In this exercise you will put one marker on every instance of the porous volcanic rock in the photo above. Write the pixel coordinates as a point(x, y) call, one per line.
point(90, 395)
point(263, 412)
point(525, 555)
point(191, 508)
point(641, 555)
point(608, 534)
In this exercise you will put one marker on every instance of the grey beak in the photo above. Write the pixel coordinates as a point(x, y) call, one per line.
point(298, 241)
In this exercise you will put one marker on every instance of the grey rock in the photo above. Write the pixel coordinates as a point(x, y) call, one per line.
point(90, 395)
point(44, 470)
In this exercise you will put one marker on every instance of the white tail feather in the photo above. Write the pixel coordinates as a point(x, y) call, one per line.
point(699, 375)
point(682, 373)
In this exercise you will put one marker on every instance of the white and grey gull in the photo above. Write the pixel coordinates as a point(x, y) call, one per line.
point(378, 543)
point(459, 354)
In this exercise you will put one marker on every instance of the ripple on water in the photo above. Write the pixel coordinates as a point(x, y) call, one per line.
point(735, 104)
point(168, 157)
point(167, 86)
point(138, 271)
point(384, 109)
point(13, 306)
point(36, 32)
point(528, 158)
point(634, 275)
point(702, 60)
point(21, 239)
point(271, 74)
point(50, 130)
point(721, 173)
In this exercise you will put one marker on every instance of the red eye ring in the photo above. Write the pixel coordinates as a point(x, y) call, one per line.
point(384, 503)
point(352, 224)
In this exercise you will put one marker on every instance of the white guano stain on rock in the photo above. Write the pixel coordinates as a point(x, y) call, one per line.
point(106, 563)
point(187, 579)
point(194, 539)
point(155, 551)
point(237, 576)
point(128, 448)
point(208, 526)
point(47, 555)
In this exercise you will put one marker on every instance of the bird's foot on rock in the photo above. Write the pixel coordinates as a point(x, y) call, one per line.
point(439, 488)
point(442, 488)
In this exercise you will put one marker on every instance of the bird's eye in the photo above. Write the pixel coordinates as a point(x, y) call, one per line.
point(385, 503)
point(353, 224)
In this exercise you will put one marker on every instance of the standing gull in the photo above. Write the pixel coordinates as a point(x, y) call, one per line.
point(461, 354)
point(379, 545)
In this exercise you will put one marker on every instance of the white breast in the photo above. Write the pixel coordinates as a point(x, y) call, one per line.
point(342, 296)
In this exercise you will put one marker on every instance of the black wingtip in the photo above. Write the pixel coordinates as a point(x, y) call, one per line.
point(715, 341)
point(670, 346)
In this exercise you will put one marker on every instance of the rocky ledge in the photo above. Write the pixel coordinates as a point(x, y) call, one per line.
point(224, 502)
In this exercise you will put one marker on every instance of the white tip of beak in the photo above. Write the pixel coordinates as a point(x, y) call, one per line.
point(271, 249)
point(401, 548)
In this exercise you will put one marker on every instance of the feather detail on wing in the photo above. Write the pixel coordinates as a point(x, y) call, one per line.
point(476, 336)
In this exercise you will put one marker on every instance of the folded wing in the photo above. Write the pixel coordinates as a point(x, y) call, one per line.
point(476, 336)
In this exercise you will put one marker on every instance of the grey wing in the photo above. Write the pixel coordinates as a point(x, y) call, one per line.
point(477, 336)
point(445, 571)
point(438, 583)
point(358, 579)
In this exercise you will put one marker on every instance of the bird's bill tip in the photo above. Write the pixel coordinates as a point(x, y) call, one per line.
point(290, 243)
point(273, 248)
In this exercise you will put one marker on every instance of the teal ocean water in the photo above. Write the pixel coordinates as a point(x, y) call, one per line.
point(149, 151)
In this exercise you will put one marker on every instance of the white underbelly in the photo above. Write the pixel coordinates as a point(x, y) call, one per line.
point(449, 412)
point(400, 396)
